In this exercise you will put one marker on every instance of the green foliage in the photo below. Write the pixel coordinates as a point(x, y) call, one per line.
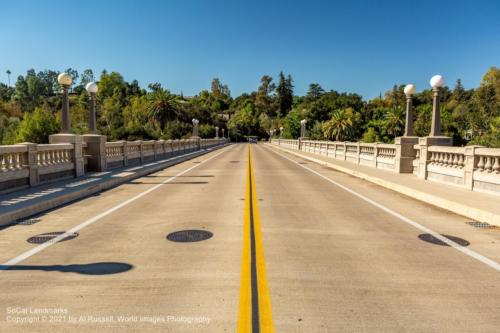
point(285, 94)
point(37, 126)
point(163, 107)
point(491, 138)
point(370, 136)
point(30, 109)
point(207, 131)
point(342, 125)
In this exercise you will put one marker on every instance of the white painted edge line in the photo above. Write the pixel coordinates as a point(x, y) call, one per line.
point(489, 262)
point(41, 247)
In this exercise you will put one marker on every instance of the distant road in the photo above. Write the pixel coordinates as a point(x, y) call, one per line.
point(290, 246)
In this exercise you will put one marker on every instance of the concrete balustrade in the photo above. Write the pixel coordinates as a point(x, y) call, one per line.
point(473, 167)
point(382, 156)
point(29, 164)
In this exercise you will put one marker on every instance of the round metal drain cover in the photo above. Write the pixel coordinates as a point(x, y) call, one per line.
point(302, 162)
point(433, 240)
point(189, 236)
point(29, 221)
point(234, 161)
point(42, 238)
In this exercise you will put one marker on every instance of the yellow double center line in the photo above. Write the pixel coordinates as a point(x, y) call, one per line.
point(255, 303)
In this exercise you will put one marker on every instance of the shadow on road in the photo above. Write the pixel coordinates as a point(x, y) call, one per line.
point(99, 268)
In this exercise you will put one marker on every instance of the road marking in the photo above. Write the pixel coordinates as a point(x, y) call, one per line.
point(41, 247)
point(487, 261)
point(255, 313)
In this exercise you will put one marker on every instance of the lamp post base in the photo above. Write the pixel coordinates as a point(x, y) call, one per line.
point(435, 141)
point(405, 153)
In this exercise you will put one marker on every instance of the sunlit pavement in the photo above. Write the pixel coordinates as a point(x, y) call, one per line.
point(331, 260)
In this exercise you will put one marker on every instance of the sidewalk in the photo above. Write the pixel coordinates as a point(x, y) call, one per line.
point(478, 206)
point(18, 205)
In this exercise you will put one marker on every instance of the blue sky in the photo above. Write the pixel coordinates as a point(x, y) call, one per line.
point(355, 46)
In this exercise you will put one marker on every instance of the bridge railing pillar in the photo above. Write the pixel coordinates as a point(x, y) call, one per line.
point(95, 152)
point(32, 162)
point(405, 153)
point(375, 154)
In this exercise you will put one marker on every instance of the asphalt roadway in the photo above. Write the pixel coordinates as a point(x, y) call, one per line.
point(292, 247)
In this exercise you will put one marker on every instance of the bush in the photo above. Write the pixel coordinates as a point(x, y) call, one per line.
point(37, 126)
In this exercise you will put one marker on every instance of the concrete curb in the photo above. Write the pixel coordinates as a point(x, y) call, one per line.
point(39, 207)
point(458, 208)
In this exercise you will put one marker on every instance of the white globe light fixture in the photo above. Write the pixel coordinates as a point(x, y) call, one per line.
point(437, 81)
point(91, 88)
point(410, 89)
point(64, 79)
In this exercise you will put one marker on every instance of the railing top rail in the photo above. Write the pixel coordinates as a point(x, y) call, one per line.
point(115, 144)
point(446, 149)
point(6, 149)
point(54, 146)
point(386, 145)
point(487, 151)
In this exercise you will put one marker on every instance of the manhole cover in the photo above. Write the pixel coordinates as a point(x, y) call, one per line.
point(234, 161)
point(482, 225)
point(29, 221)
point(189, 236)
point(433, 240)
point(42, 238)
point(302, 162)
point(195, 162)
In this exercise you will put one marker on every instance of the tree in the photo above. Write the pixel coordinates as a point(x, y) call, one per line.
point(263, 98)
point(86, 77)
point(315, 91)
point(219, 90)
point(340, 126)
point(8, 76)
point(37, 126)
point(394, 121)
point(284, 93)
point(163, 107)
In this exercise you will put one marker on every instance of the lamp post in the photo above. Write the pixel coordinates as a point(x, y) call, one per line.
point(216, 132)
point(281, 132)
point(195, 127)
point(65, 81)
point(303, 123)
point(91, 88)
point(409, 92)
point(436, 82)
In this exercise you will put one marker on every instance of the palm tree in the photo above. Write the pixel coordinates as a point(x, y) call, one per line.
point(163, 107)
point(8, 75)
point(394, 120)
point(339, 127)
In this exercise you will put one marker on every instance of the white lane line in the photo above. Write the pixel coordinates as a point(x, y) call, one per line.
point(487, 261)
point(96, 218)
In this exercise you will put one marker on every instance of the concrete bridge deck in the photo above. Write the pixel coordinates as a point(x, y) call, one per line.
point(332, 253)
